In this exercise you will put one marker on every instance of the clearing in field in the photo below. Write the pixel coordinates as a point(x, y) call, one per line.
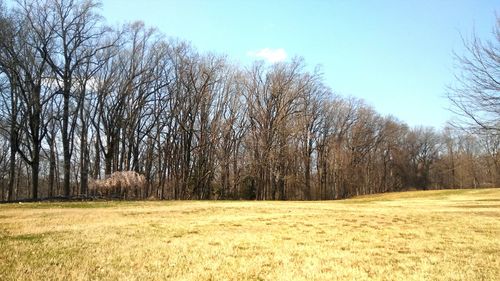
point(441, 235)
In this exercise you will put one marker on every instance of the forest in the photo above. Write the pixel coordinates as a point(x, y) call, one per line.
point(80, 100)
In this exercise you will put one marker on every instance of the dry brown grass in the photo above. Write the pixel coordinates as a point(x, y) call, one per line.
point(434, 235)
point(123, 183)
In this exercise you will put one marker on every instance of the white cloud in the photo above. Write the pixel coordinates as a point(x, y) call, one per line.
point(271, 55)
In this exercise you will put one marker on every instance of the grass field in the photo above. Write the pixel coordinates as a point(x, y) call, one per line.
point(431, 235)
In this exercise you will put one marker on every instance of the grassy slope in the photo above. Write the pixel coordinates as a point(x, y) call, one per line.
point(442, 235)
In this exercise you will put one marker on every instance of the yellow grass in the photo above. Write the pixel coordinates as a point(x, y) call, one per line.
point(433, 235)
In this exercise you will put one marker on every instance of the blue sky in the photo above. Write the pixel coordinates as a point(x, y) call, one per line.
point(396, 55)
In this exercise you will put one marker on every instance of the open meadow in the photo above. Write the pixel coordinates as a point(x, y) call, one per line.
point(431, 235)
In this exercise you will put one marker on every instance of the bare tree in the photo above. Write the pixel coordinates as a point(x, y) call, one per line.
point(272, 96)
point(309, 123)
point(30, 91)
point(69, 31)
point(80, 101)
point(491, 145)
point(476, 94)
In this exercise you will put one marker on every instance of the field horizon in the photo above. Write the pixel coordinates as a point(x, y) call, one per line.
point(411, 235)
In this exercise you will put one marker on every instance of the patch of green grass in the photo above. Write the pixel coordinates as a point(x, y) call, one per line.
point(63, 205)
point(28, 237)
point(421, 194)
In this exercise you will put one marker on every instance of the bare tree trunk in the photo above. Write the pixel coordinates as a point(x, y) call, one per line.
point(66, 146)
point(52, 167)
point(35, 169)
point(97, 160)
point(84, 161)
point(12, 168)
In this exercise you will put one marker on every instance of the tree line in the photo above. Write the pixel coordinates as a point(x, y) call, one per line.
point(80, 100)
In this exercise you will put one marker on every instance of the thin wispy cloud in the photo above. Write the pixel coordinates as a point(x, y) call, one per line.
point(268, 54)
